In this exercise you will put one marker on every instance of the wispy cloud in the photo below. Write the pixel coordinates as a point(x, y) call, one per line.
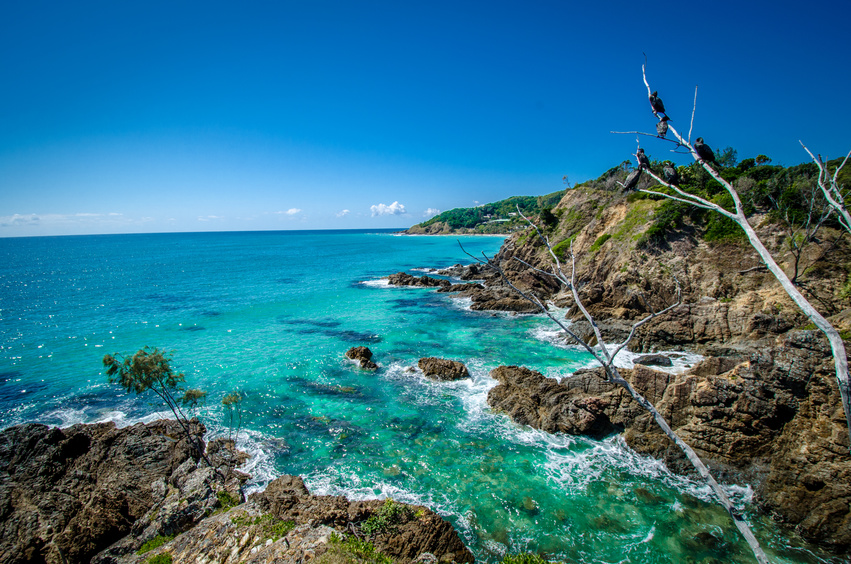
point(431, 212)
point(393, 209)
point(18, 220)
point(291, 211)
point(343, 213)
point(209, 217)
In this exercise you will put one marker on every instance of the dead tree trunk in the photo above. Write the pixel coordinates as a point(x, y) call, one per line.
point(837, 346)
point(606, 358)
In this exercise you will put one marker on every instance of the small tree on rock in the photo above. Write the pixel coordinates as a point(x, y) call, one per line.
point(150, 369)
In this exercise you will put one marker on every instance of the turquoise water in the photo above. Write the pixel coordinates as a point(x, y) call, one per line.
point(271, 314)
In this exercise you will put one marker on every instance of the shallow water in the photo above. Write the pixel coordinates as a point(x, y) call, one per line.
point(271, 314)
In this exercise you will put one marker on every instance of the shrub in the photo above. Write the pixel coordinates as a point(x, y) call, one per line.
point(155, 542)
point(599, 242)
point(386, 518)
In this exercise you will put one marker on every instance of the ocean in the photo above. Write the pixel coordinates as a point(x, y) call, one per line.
point(271, 314)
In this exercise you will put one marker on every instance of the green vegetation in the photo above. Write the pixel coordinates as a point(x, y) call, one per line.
point(562, 249)
point(150, 370)
point(781, 193)
point(500, 216)
point(226, 500)
point(386, 518)
point(155, 542)
point(351, 550)
point(269, 526)
point(599, 242)
point(162, 558)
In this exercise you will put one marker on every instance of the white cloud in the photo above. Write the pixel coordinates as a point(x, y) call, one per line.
point(293, 211)
point(393, 209)
point(205, 218)
point(17, 219)
point(431, 212)
point(343, 213)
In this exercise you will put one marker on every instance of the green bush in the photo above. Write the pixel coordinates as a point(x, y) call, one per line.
point(562, 248)
point(162, 558)
point(599, 242)
point(386, 518)
point(227, 500)
point(352, 550)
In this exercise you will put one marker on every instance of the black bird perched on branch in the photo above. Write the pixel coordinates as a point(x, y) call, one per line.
point(632, 180)
point(662, 126)
point(670, 174)
point(703, 151)
point(656, 103)
point(643, 161)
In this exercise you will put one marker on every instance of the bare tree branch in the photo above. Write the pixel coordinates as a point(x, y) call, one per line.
point(612, 374)
point(837, 346)
point(693, 108)
point(830, 187)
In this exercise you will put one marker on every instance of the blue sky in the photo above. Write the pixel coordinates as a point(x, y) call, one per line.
point(124, 117)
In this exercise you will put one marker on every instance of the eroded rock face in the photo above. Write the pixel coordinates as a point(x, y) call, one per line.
point(94, 493)
point(72, 492)
point(774, 420)
point(443, 369)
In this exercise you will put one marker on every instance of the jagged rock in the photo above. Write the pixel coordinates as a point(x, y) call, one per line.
point(70, 493)
point(775, 421)
point(443, 369)
point(364, 357)
point(653, 360)
point(246, 533)
point(94, 493)
point(405, 279)
point(532, 399)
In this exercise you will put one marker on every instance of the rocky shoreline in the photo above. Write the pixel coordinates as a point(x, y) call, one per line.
point(762, 409)
point(97, 493)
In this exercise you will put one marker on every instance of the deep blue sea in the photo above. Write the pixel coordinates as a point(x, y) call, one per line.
point(271, 314)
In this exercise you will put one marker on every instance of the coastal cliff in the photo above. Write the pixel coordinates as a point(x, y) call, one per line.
point(96, 493)
point(763, 408)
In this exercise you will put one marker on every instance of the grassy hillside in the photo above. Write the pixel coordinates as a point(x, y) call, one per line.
point(498, 217)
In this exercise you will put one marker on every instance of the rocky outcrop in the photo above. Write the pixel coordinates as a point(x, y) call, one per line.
point(405, 279)
point(494, 297)
point(95, 493)
point(653, 360)
point(285, 523)
point(443, 369)
point(773, 420)
point(70, 493)
point(363, 356)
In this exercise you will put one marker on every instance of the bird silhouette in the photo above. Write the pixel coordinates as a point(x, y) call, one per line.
point(670, 174)
point(632, 180)
point(656, 103)
point(643, 161)
point(703, 151)
point(662, 126)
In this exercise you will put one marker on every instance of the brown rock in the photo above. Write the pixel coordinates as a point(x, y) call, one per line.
point(364, 357)
point(442, 369)
point(70, 493)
